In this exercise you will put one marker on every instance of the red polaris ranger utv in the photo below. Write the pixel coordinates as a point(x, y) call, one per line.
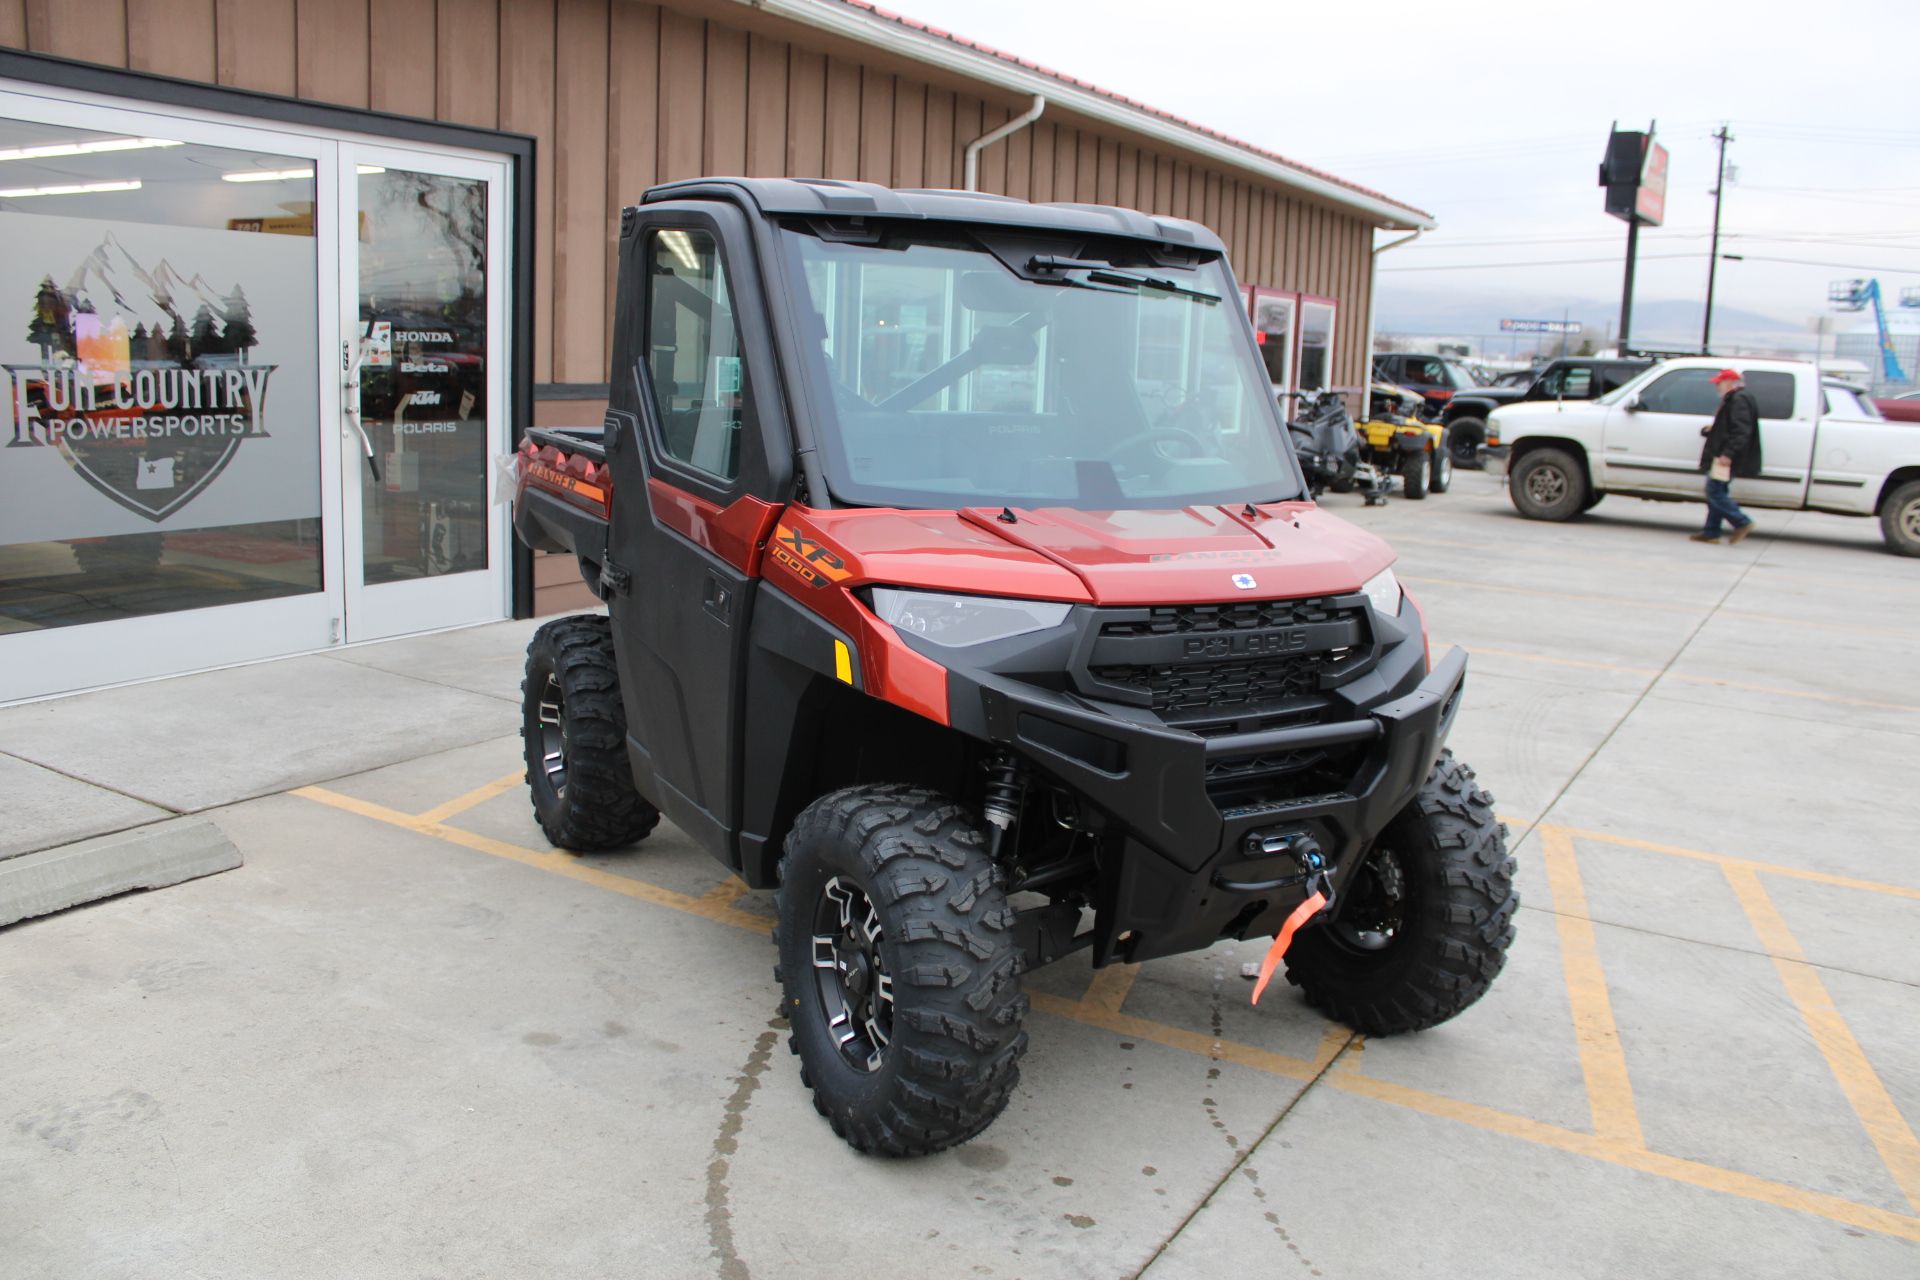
point(960, 584)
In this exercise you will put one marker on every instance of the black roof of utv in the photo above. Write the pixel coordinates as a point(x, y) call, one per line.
point(829, 198)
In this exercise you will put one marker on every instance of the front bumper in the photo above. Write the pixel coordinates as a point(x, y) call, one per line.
point(1191, 870)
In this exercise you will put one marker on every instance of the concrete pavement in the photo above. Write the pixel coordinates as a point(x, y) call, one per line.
point(408, 1039)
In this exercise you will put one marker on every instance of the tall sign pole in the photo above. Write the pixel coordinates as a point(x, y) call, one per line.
point(1713, 255)
point(1634, 173)
point(1626, 288)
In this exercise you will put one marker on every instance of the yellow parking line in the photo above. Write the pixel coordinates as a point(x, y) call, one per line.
point(1867, 1095)
point(1108, 990)
point(1196, 1042)
point(727, 892)
point(1602, 1061)
point(563, 864)
point(1691, 1172)
point(1344, 1074)
point(1729, 860)
point(477, 796)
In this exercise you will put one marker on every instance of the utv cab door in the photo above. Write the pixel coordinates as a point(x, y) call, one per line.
point(696, 490)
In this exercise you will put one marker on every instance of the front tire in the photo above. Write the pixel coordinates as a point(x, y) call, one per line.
point(1464, 438)
point(1439, 469)
point(1413, 475)
point(1900, 519)
point(898, 969)
point(1423, 926)
point(1548, 484)
point(574, 732)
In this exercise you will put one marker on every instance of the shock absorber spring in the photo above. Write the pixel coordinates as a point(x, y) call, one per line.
point(1006, 787)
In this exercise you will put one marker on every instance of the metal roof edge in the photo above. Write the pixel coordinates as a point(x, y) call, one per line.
point(867, 25)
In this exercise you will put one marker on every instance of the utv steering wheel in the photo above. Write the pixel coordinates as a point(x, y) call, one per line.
point(1154, 435)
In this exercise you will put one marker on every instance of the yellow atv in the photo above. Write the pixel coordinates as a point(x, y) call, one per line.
point(1398, 443)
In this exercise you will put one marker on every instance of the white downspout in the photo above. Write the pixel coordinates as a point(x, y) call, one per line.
point(985, 140)
point(1373, 284)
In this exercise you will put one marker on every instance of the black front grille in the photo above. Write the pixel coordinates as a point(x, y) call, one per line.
point(1243, 615)
point(1193, 661)
point(1207, 686)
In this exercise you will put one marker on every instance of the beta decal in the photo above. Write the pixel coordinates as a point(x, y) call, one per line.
point(806, 557)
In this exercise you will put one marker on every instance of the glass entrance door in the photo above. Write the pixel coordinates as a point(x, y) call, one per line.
point(424, 352)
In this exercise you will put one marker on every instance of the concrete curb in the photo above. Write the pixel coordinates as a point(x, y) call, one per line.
point(35, 884)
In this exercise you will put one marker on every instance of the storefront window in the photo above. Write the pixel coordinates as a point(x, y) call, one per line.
point(1273, 326)
point(423, 384)
point(1316, 345)
point(158, 342)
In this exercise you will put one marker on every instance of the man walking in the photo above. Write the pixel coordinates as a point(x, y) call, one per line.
point(1732, 449)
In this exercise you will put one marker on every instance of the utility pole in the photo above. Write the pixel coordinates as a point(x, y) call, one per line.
point(1713, 255)
point(1626, 288)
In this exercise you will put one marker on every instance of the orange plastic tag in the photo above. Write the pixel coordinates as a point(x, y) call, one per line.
point(1281, 941)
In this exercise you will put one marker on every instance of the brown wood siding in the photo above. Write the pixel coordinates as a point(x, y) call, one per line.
point(170, 37)
point(766, 108)
point(403, 61)
point(467, 44)
point(620, 95)
point(580, 192)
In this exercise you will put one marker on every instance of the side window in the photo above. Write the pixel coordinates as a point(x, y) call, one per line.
point(1682, 391)
point(700, 393)
point(1774, 392)
point(1550, 384)
point(1579, 384)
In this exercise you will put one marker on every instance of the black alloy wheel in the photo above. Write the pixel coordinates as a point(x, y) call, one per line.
point(854, 987)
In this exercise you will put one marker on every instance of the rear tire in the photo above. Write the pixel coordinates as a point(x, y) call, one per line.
point(1900, 519)
point(1439, 469)
point(1426, 921)
point(574, 731)
point(1413, 475)
point(1547, 484)
point(933, 1062)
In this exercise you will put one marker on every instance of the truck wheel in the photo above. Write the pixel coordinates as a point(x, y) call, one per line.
point(1464, 439)
point(1422, 928)
point(574, 731)
point(1439, 469)
point(1413, 475)
point(1547, 484)
point(1900, 519)
point(898, 969)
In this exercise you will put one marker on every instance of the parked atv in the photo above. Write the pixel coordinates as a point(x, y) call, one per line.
point(1328, 448)
point(961, 587)
point(1402, 438)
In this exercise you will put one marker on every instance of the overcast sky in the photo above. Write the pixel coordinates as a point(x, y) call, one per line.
point(1493, 117)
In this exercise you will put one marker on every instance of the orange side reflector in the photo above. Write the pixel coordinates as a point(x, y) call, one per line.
point(1284, 939)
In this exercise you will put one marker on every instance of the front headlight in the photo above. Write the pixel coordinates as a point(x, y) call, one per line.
point(1382, 590)
point(955, 620)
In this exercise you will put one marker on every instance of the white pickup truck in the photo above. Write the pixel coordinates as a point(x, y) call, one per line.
point(1824, 447)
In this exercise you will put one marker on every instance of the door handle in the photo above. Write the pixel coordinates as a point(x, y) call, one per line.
point(353, 355)
point(718, 600)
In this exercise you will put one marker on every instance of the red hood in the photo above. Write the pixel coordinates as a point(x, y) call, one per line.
point(1186, 556)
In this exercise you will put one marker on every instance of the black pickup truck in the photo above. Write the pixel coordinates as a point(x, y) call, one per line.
point(1568, 378)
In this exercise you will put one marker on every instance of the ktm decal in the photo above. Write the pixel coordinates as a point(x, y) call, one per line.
point(807, 558)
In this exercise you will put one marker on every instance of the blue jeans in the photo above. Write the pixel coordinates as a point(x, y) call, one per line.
point(1721, 506)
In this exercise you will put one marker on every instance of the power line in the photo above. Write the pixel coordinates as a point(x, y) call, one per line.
point(1648, 257)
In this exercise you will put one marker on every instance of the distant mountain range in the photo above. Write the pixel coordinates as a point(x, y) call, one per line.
point(1657, 322)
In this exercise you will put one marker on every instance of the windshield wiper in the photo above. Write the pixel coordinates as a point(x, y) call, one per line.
point(1099, 273)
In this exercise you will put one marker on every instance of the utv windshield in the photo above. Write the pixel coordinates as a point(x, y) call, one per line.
point(948, 372)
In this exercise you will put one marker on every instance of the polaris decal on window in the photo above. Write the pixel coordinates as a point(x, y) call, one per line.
point(144, 378)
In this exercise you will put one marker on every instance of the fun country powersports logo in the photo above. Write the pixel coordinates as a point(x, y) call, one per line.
point(143, 382)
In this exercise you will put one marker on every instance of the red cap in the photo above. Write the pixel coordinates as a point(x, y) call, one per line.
point(1726, 375)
